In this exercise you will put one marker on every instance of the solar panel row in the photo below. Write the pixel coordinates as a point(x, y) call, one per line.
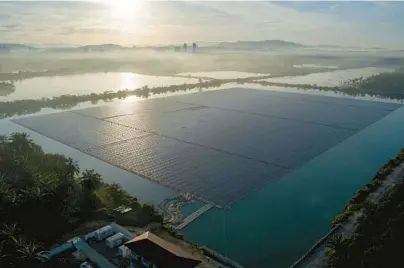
point(218, 146)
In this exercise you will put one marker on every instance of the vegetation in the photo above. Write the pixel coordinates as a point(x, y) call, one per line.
point(20, 107)
point(43, 196)
point(379, 236)
point(6, 88)
point(385, 85)
point(390, 84)
point(359, 200)
point(378, 240)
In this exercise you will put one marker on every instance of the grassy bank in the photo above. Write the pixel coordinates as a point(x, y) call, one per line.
point(378, 238)
point(359, 200)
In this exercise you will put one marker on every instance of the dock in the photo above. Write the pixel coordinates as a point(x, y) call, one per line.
point(193, 216)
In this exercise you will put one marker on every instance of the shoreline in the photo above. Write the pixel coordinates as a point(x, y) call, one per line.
point(316, 256)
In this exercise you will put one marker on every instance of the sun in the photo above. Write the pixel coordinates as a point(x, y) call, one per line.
point(126, 10)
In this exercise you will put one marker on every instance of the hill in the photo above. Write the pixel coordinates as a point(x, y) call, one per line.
point(260, 45)
point(102, 47)
point(6, 47)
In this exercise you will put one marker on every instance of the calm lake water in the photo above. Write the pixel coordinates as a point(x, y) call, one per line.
point(314, 66)
point(223, 74)
point(330, 79)
point(46, 87)
point(275, 225)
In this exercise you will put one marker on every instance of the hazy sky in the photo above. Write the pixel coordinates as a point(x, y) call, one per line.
point(133, 22)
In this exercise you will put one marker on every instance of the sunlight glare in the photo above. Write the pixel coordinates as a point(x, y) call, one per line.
point(128, 81)
point(130, 13)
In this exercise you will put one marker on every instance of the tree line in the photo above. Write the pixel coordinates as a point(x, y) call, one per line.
point(43, 196)
point(6, 88)
point(385, 85)
point(378, 239)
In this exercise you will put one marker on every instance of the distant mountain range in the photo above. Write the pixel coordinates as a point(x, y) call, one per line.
point(7, 47)
point(260, 45)
point(15, 47)
point(89, 48)
point(265, 44)
point(238, 45)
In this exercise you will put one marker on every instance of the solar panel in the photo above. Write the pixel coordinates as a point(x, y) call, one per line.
point(218, 146)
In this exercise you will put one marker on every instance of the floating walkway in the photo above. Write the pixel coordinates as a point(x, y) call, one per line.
point(193, 216)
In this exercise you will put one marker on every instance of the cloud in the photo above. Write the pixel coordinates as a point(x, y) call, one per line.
point(349, 23)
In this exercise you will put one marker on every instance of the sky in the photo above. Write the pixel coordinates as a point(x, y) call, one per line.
point(135, 22)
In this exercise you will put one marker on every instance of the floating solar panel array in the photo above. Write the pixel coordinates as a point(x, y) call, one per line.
point(218, 146)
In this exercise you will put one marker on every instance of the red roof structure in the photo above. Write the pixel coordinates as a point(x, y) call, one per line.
point(161, 252)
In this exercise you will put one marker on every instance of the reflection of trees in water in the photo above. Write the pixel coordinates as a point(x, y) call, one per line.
point(20, 107)
point(385, 85)
point(6, 88)
point(390, 84)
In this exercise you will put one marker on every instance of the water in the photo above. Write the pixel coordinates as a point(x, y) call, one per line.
point(191, 208)
point(303, 91)
point(146, 191)
point(314, 66)
point(80, 84)
point(277, 224)
point(223, 74)
point(330, 79)
point(274, 226)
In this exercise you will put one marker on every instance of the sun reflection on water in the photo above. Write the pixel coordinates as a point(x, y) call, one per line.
point(129, 81)
point(131, 99)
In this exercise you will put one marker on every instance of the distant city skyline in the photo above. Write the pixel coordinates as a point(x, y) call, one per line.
point(131, 22)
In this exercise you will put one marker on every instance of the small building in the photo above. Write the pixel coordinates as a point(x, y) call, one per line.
point(115, 240)
point(157, 252)
point(106, 248)
point(104, 232)
point(124, 251)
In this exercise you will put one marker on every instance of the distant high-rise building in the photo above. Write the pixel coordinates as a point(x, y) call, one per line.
point(185, 47)
point(194, 47)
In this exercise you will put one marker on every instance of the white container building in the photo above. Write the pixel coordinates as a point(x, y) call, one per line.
point(124, 251)
point(115, 240)
point(104, 232)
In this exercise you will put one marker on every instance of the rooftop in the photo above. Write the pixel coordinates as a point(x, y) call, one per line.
point(104, 248)
point(161, 252)
point(174, 249)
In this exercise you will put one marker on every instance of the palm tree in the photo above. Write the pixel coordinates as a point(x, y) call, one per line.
point(72, 167)
point(338, 250)
point(3, 139)
point(25, 248)
point(19, 137)
point(90, 180)
point(9, 230)
point(21, 142)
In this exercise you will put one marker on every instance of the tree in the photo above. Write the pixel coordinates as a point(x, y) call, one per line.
point(90, 180)
point(338, 247)
point(43, 195)
point(72, 167)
